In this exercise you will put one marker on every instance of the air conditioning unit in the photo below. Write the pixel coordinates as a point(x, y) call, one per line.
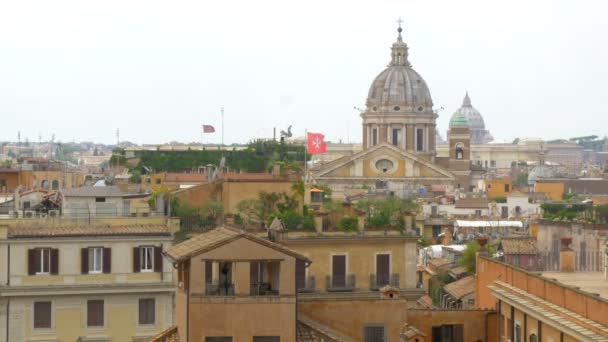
point(42, 215)
point(29, 214)
point(53, 213)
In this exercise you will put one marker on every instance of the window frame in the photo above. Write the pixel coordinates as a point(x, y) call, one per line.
point(51, 318)
point(139, 323)
point(40, 270)
point(142, 259)
point(375, 326)
point(91, 252)
point(103, 314)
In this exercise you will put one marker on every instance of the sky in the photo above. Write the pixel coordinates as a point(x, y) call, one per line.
point(158, 70)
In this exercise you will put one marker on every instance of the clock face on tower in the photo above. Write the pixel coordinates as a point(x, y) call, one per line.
point(384, 165)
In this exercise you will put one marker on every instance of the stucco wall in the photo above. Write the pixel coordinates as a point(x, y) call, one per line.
point(478, 325)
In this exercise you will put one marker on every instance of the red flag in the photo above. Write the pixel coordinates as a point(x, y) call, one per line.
point(208, 129)
point(316, 144)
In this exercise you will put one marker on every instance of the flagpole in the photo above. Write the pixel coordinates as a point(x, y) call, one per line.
point(222, 126)
point(305, 152)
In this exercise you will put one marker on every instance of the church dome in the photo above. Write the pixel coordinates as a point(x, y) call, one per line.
point(399, 87)
point(459, 120)
point(479, 134)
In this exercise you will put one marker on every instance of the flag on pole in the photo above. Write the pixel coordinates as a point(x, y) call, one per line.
point(316, 143)
point(208, 129)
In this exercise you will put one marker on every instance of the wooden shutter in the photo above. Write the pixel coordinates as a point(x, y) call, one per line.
point(339, 270)
point(54, 265)
point(95, 313)
point(84, 260)
point(254, 275)
point(158, 259)
point(382, 269)
point(136, 265)
point(32, 256)
point(147, 308)
point(107, 260)
point(42, 315)
point(300, 274)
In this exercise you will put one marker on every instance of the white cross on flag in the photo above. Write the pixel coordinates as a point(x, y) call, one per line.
point(316, 143)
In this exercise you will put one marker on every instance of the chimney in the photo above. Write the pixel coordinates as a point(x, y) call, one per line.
point(447, 237)
point(482, 241)
point(566, 256)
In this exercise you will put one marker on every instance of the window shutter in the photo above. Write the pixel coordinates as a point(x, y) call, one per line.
point(136, 265)
point(54, 269)
point(84, 260)
point(107, 260)
point(158, 259)
point(31, 261)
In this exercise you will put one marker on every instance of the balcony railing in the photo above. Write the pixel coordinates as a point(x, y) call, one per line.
point(263, 289)
point(309, 285)
point(377, 281)
point(340, 283)
point(219, 289)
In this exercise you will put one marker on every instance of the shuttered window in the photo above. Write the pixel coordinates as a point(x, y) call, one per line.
point(382, 269)
point(147, 259)
point(43, 261)
point(218, 339)
point(95, 259)
point(373, 334)
point(300, 274)
point(42, 315)
point(95, 313)
point(339, 270)
point(266, 339)
point(147, 311)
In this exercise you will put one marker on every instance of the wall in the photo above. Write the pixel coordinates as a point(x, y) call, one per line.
point(361, 257)
point(234, 192)
point(579, 302)
point(479, 325)
point(553, 191)
point(349, 316)
point(496, 187)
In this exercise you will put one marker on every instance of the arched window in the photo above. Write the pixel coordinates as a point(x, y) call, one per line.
point(533, 338)
point(44, 184)
point(55, 185)
point(459, 151)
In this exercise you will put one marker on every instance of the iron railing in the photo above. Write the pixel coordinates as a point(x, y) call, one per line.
point(377, 281)
point(225, 289)
point(340, 283)
point(307, 285)
point(262, 289)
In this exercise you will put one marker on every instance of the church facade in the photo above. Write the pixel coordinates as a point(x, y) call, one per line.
point(398, 153)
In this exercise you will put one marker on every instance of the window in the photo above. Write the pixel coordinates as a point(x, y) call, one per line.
point(434, 210)
point(147, 311)
point(42, 315)
point(146, 259)
point(517, 333)
point(477, 212)
point(381, 185)
point(218, 339)
point(533, 338)
point(459, 153)
point(436, 231)
point(95, 316)
point(95, 260)
point(43, 261)
point(419, 139)
point(266, 339)
point(504, 211)
point(452, 333)
point(507, 187)
point(100, 199)
point(384, 165)
point(373, 334)
point(374, 136)
point(158, 180)
point(396, 136)
point(26, 204)
point(55, 185)
point(383, 265)
point(492, 163)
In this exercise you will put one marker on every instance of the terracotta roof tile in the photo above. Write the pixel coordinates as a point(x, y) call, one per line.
point(131, 230)
point(426, 302)
point(438, 262)
point(519, 245)
point(217, 237)
point(461, 288)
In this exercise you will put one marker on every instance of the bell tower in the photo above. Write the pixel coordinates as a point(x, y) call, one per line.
point(459, 142)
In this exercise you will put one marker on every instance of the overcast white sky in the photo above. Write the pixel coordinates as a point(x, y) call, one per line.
point(159, 69)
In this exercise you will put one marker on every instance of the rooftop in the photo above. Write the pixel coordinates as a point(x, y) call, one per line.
point(461, 287)
point(217, 237)
point(592, 282)
point(89, 231)
point(525, 245)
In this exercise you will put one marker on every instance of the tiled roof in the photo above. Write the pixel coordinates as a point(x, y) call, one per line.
point(93, 191)
point(244, 177)
point(169, 335)
point(461, 288)
point(425, 302)
point(458, 271)
point(472, 203)
point(524, 245)
point(438, 262)
point(216, 238)
point(185, 177)
point(89, 231)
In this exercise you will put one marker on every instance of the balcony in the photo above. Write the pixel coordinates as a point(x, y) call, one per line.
point(377, 281)
point(226, 289)
point(307, 285)
point(263, 289)
point(340, 283)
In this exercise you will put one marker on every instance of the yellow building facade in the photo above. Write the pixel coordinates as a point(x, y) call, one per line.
point(85, 283)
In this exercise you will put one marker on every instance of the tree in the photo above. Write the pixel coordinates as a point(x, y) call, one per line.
point(469, 255)
point(212, 210)
point(135, 177)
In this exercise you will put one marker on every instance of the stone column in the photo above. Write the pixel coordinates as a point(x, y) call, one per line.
point(410, 138)
point(365, 128)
